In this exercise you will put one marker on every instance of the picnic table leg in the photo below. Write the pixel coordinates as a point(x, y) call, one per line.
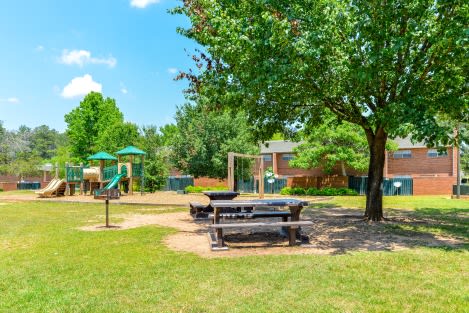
point(295, 216)
point(216, 220)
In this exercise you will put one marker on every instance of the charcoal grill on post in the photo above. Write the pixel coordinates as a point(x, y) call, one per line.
point(107, 194)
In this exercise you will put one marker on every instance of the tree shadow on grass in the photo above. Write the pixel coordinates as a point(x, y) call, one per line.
point(449, 222)
point(344, 230)
point(321, 205)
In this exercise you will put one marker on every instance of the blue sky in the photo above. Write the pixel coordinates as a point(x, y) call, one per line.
point(55, 51)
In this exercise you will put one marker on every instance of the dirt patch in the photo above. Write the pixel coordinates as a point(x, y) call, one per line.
point(335, 231)
point(159, 198)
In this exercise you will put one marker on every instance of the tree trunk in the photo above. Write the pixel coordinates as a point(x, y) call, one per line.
point(344, 172)
point(374, 191)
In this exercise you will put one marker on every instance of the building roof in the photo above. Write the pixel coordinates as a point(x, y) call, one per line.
point(279, 146)
point(130, 150)
point(406, 143)
point(102, 156)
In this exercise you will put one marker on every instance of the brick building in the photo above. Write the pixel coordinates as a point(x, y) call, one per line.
point(433, 170)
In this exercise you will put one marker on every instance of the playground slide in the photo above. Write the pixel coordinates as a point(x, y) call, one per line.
point(49, 187)
point(114, 181)
point(51, 183)
point(53, 188)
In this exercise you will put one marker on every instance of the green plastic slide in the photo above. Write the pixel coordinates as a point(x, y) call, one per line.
point(114, 181)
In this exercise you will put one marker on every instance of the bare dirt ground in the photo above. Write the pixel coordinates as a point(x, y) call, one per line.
point(335, 230)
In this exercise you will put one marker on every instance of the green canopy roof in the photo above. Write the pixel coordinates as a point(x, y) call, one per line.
point(102, 156)
point(130, 150)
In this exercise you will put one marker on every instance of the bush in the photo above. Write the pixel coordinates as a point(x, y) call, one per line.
point(286, 191)
point(326, 191)
point(312, 191)
point(199, 189)
point(299, 191)
point(1, 190)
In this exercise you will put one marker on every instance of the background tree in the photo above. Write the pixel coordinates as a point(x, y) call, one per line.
point(157, 160)
point(117, 136)
point(204, 139)
point(330, 145)
point(87, 123)
point(44, 141)
point(386, 66)
point(334, 144)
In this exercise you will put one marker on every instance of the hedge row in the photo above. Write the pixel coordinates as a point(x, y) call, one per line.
point(327, 191)
point(199, 189)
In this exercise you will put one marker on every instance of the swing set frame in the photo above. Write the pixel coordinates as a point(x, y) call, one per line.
point(231, 170)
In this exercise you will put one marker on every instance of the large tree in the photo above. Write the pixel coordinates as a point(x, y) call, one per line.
point(388, 66)
point(89, 125)
point(203, 140)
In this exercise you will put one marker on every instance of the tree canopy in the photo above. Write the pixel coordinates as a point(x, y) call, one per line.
point(204, 138)
point(23, 150)
point(389, 67)
point(98, 124)
point(330, 145)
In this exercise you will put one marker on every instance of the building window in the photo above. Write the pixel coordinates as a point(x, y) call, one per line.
point(402, 154)
point(267, 157)
point(287, 156)
point(436, 153)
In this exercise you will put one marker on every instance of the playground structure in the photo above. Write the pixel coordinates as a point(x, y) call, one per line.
point(129, 168)
point(107, 175)
point(240, 167)
point(56, 187)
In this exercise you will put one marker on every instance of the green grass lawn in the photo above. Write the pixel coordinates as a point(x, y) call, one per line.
point(17, 192)
point(48, 265)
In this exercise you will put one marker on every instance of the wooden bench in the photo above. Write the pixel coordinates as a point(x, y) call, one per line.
point(258, 214)
point(218, 244)
point(197, 208)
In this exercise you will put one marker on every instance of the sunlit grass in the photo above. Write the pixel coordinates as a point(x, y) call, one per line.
point(47, 264)
point(17, 192)
point(402, 202)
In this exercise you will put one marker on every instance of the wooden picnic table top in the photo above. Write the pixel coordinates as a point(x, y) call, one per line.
point(258, 203)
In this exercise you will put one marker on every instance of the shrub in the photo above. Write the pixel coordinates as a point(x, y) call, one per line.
point(286, 191)
point(199, 189)
point(299, 191)
point(1, 190)
point(312, 191)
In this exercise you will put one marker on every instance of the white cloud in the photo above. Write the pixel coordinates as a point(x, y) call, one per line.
point(10, 100)
point(80, 86)
point(39, 48)
point(172, 70)
point(82, 57)
point(123, 88)
point(141, 4)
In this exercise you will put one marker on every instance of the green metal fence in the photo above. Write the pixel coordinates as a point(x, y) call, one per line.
point(464, 189)
point(26, 185)
point(402, 186)
point(247, 185)
point(174, 183)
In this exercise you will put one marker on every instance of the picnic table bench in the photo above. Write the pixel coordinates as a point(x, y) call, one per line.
point(199, 210)
point(295, 206)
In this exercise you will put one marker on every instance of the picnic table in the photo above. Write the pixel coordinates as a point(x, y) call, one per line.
point(201, 211)
point(294, 205)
